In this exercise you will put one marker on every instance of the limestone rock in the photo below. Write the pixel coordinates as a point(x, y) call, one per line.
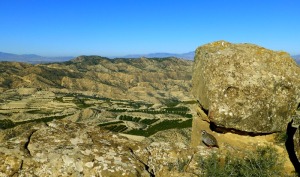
point(172, 135)
point(64, 148)
point(296, 137)
point(246, 87)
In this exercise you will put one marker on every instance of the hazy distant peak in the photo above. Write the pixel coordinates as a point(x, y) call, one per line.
point(297, 59)
point(188, 55)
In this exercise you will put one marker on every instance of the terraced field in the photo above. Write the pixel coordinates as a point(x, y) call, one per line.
point(126, 116)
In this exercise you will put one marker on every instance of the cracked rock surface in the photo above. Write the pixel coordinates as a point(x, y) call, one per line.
point(66, 148)
point(63, 148)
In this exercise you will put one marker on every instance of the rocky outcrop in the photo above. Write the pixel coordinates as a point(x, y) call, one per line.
point(246, 88)
point(65, 148)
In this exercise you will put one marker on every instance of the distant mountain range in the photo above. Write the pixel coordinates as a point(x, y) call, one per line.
point(34, 59)
point(187, 56)
point(297, 58)
point(31, 58)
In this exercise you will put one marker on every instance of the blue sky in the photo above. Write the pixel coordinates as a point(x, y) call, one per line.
point(120, 27)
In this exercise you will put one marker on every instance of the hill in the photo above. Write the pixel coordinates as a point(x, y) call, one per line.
point(134, 96)
point(151, 79)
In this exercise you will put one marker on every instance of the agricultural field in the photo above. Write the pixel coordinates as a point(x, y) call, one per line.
point(135, 117)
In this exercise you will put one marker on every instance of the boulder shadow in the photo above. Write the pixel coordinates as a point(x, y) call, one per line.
point(289, 145)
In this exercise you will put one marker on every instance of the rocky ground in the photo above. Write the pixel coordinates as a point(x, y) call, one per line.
point(65, 148)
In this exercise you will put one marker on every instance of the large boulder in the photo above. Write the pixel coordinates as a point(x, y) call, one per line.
point(246, 87)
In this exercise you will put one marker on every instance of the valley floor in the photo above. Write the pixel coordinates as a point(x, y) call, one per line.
point(135, 117)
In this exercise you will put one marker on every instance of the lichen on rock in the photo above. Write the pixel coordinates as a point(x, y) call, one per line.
point(65, 148)
point(246, 87)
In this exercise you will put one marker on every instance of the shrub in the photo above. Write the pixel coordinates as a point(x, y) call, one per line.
point(6, 123)
point(149, 121)
point(281, 137)
point(264, 162)
point(118, 110)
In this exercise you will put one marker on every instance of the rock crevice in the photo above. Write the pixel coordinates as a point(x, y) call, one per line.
point(27, 143)
point(146, 166)
point(220, 129)
point(290, 146)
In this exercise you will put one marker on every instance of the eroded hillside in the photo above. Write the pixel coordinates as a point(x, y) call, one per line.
point(153, 80)
point(133, 96)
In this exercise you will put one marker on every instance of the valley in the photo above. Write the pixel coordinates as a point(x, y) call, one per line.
point(132, 96)
point(25, 105)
